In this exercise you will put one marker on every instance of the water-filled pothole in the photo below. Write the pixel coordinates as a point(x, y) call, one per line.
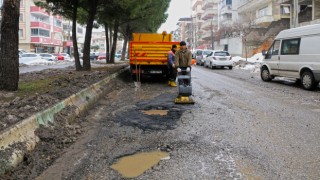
point(155, 112)
point(135, 165)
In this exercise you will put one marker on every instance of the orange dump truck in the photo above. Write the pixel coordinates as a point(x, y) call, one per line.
point(148, 53)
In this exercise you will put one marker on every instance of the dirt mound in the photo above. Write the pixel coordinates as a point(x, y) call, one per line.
point(40, 90)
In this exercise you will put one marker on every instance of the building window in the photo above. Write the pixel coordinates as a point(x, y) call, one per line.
point(21, 33)
point(21, 17)
point(290, 46)
point(34, 32)
point(58, 23)
point(285, 9)
point(228, 2)
point(40, 32)
point(263, 12)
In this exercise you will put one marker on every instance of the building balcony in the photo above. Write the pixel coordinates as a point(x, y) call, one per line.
point(196, 3)
point(57, 42)
point(57, 29)
point(264, 19)
point(227, 9)
point(207, 4)
point(209, 25)
point(68, 43)
point(200, 32)
point(226, 21)
point(206, 36)
point(209, 14)
point(38, 10)
point(252, 5)
point(41, 40)
point(41, 25)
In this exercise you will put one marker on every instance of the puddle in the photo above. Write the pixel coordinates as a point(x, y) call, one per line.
point(247, 171)
point(137, 164)
point(156, 112)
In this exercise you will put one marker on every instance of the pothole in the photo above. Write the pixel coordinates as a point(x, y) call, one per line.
point(135, 165)
point(155, 112)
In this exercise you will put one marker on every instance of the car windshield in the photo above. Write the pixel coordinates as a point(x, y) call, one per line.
point(55, 54)
point(64, 54)
point(102, 54)
point(221, 54)
point(207, 52)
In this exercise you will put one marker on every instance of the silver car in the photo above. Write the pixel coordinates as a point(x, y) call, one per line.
point(29, 57)
point(66, 56)
point(48, 56)
point(219, 59)
point(201, 55)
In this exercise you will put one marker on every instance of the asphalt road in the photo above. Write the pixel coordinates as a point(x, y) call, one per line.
point(239, 128)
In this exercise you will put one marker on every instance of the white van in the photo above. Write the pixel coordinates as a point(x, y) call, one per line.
point(295, 53)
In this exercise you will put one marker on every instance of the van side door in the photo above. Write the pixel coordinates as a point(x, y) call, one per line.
point(290, 61)
point(272, 57)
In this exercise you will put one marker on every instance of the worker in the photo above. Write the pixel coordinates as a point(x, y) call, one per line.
point(171, 66)
point(183, 56)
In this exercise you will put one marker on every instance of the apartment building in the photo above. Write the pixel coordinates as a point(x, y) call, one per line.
point(67, 36)
point(39, 31)
point(228, 19)
point(210, 22)
point(303, 12)
point(197, 31)
point(264, 19)
point(184, 30)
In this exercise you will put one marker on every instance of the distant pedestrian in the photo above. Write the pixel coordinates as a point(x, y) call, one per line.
point(171, 66)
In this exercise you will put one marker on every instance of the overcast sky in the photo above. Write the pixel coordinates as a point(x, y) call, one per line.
point(177, 10)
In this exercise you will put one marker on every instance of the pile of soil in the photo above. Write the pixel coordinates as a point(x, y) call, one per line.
point(55, 138)
point(42, 89)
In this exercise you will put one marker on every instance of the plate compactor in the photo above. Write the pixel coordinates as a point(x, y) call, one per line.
point(184, 86)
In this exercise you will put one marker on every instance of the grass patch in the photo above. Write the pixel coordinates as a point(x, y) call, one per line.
point(36, 86)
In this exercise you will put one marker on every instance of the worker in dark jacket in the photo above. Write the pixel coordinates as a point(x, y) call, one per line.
point(183, 56)
point(171, 66)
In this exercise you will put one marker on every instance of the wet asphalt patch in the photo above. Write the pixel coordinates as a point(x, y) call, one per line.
point(137, 117)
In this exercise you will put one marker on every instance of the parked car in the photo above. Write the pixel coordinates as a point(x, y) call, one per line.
point(102, 56)
point(94, 55)
point(48, 56)
point(28, 57)
point(21, 51)
point(201, 55)
point(66, 56)
point(118, 55)
point(59, 56)
point(294, 54)
point(219, 59)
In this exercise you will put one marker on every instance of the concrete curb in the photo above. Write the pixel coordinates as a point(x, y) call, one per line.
point(23, 132)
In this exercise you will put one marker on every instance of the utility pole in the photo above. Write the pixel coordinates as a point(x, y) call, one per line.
point(295, 13)
point(212, 41)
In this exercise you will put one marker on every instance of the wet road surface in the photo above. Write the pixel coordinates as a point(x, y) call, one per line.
point(239, 128)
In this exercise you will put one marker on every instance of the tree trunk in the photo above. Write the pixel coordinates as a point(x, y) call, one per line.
point(9, 42)
point(124, 48)
point(87, 40)
point(114, 42)
point(74, 35)
point(106, 29)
